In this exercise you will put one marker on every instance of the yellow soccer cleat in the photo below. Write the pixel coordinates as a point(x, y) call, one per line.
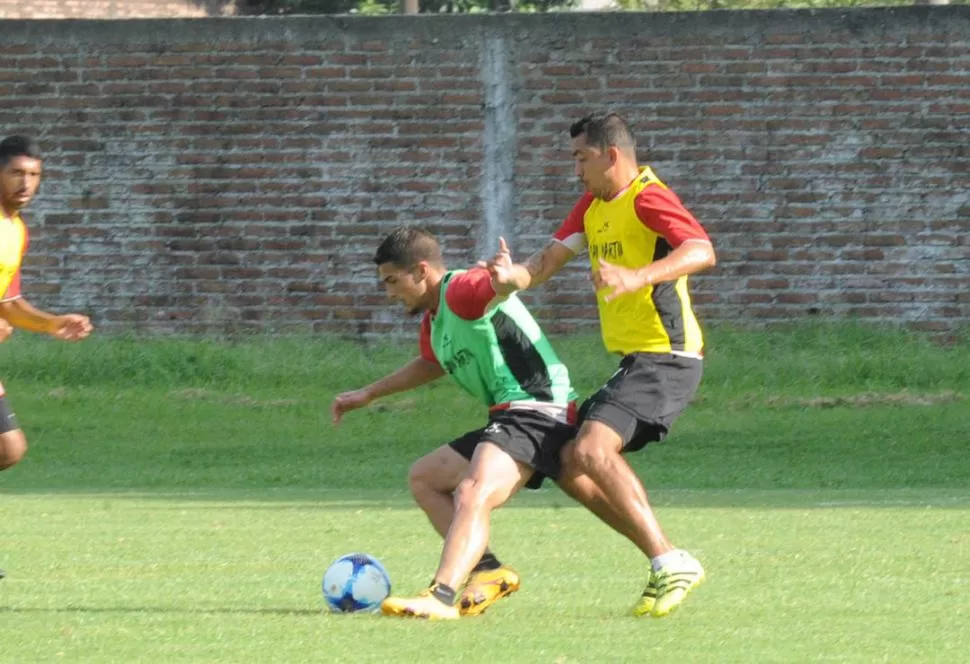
point(648, 599)
point(674, 581)
point(425, 606)
point(485, 588)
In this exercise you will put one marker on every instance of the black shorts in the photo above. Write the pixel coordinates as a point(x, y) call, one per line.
point(527, 436)
point(643, 398)
point(8, 421)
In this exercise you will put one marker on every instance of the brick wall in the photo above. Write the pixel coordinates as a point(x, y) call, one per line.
point(236, 174)
point(45, 9)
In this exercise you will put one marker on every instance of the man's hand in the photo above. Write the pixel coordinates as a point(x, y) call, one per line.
point(502, 269)
point(620, 280)
point(348, 401)
point(6, 329)
point(71, 327)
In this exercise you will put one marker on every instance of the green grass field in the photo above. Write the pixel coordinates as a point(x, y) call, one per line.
point(181, 500)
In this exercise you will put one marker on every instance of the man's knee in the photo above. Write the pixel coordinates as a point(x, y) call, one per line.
point(439, 472)
point(421, 476)
point(595, 446)
point(476, 493)
point(470, 494)
point(13, 448)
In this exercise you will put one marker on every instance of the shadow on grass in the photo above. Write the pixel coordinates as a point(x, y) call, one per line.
point(341, 500)
point(165, 610)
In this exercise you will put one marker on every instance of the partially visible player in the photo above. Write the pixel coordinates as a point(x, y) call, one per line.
point(642, 244)
point(20, 173)
point(496, 352)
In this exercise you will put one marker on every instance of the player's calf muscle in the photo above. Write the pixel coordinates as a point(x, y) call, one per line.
point(13, 448)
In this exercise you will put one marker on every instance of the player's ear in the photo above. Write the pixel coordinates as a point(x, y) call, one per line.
point(614, 154)
point(421, 270)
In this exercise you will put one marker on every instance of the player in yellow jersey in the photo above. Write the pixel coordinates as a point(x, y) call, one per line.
point(20, 173)
point(642, 245)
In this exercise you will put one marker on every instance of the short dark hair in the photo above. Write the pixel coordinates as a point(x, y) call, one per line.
point(407, 246)
point(18, 146)
point(603, 130)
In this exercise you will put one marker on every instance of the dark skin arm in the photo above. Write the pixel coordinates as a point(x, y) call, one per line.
point(415, 373)
point(20, 314)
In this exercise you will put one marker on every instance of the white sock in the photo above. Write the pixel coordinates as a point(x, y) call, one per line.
point(665, 558)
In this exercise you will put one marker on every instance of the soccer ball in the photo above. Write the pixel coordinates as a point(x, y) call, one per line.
point(355, 582)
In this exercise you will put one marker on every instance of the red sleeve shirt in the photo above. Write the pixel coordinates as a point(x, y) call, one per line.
point(572, 232)
point(13, 290)
point(468, 295)
point(424, 339)
point(657, 207)
point(661, 211)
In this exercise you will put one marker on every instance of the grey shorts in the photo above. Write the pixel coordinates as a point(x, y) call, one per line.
point(643, 398)
point(527, 436)
point(8, 421)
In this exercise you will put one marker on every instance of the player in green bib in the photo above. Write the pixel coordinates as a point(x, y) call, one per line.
point(494, 350)
point(500, 358)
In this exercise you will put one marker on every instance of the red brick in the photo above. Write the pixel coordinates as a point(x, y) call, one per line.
point(268, 169)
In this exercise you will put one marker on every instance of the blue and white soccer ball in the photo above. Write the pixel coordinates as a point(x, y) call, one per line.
point(355, 582)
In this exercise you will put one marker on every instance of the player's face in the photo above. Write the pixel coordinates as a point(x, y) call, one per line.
point(592, 166)
point(19, 180)
point(406, 286)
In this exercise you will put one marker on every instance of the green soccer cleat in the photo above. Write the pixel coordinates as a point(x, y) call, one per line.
point(674, 581)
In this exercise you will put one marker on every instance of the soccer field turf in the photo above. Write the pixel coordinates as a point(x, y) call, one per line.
point(181, 501)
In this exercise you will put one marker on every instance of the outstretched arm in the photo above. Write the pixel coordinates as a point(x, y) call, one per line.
point(21, 314)
point(508, 277)
point(415, 373)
